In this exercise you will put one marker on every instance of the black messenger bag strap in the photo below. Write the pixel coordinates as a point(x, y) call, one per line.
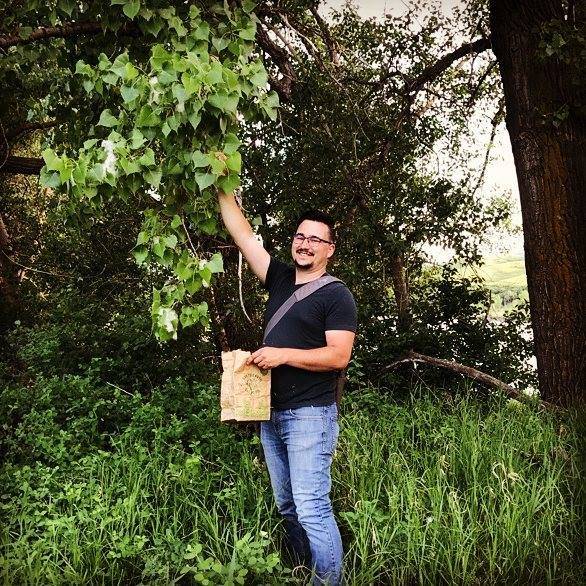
point(300, 294)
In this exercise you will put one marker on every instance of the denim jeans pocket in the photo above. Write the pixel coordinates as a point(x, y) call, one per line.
point(307, 413)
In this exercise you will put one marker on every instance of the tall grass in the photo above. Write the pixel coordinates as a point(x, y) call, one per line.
point(426, 492)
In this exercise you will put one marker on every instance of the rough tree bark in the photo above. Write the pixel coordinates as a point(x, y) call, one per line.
point(551, 172)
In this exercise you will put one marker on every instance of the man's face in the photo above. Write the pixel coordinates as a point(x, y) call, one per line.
point(307, 255)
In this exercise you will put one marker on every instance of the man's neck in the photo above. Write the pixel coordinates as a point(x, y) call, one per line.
point(302, 277)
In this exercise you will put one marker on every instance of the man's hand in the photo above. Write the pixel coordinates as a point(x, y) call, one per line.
point(268, 357)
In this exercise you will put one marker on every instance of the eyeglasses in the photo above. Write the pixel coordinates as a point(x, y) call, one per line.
point(300, 238)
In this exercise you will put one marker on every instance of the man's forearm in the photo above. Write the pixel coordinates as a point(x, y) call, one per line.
point(316, 359)
point(233, 218)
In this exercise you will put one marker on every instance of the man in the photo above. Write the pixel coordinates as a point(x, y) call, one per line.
point(305, 350)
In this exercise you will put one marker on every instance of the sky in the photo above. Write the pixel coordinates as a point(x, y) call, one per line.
point(500, 174)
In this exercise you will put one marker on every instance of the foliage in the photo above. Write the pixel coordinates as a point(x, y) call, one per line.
point(155, 125)
point(168, 492)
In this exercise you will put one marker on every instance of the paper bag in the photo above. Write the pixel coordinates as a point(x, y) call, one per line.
point(246, 389)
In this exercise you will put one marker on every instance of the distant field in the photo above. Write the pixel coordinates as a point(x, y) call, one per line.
point(501, 271)
point(505, 277)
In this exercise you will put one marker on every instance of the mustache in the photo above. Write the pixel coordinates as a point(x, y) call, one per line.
point(304, 250)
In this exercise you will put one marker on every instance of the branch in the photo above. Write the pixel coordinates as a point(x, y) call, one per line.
point(16, 132)
point(327, 37)
point(22, 166)
point(496, 120)
point(280, 56)
point(436, 69)
point(69, 29)
point(473, 373)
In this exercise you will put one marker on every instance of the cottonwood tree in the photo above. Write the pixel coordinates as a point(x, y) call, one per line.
point(148, 100)
point(155, 93)
point(541, 49)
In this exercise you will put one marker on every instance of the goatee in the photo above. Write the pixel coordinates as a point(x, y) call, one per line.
point(303, 267)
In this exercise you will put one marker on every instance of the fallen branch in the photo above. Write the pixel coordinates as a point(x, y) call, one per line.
point(473, 373)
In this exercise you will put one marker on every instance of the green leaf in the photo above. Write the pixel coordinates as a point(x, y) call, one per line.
point(159, 56)
point(248, 33)
point(129, 94)
point(231, 143)
point(229, 183)
point(130, 72)
point(248, 5)
point(49, 179)
point(140, 254)
point(194, 119)
point(234, 162)
point(67, 6)
point(129, 166)
point(260, 79)
point(179, 92)
point(215, 264)
point(204, 180)
point(171, 241)
point(82, 68)
point(159, 247)
point(153, 177)
point(119, 64)
point(202, 32)
point(206, 276)
point(218, 166)
point(191, 84)
point(225, 102)
point(146, 117)
point(137, 139)
point(214, 75)
point(106, 119)
point(209, 226)
point(131, 8)
point(52, 161)
point(148, 158)
point(200, 159)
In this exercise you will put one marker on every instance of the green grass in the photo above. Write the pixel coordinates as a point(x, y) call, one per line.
point(431, 491)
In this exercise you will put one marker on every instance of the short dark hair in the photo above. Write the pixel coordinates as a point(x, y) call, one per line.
point(319, 216)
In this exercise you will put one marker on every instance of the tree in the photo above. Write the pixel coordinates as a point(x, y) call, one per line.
point(367, 103)
point(541, 49)
point(154, 123)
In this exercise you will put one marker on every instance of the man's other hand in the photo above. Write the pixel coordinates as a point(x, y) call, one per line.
point(268, 357)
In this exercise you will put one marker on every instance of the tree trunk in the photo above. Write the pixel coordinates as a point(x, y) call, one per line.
point(401, 291)
point(551, 172)
point(9, 298)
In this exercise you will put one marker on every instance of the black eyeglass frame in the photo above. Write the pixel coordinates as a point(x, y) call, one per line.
point(299, 237)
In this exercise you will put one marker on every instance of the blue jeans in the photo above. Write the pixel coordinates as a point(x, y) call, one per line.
point(299, 445)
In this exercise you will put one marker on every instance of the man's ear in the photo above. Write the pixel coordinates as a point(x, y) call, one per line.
point(332, 250)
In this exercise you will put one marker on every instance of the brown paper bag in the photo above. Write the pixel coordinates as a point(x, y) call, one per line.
point(246, 389)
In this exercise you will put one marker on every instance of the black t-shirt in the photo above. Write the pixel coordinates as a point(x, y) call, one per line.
point(303, 327)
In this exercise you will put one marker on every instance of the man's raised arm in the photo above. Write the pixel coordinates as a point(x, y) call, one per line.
point(241, 231)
